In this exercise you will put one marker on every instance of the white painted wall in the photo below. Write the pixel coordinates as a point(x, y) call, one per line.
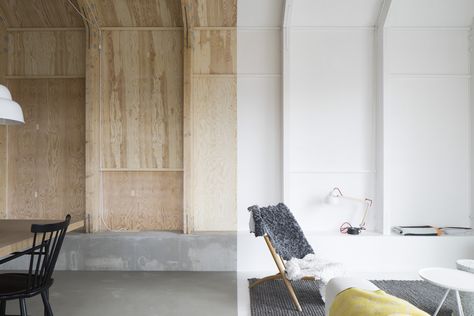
point(330, 115)
point(427, 121)
point(259, 105)
point(330, 126)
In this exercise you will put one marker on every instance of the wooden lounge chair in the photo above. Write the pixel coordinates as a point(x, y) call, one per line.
point(260, 229)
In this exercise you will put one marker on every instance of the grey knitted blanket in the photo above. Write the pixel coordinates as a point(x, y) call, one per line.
point(283, 229)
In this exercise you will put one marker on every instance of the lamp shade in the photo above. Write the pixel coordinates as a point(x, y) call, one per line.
point(10, 111)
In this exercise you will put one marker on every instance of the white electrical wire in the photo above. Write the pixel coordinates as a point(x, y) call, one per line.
point(82, 15)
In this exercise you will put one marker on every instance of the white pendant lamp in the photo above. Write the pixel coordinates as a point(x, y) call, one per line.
point(10, 111)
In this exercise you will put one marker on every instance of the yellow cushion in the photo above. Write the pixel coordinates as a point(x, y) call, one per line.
point(357, 302)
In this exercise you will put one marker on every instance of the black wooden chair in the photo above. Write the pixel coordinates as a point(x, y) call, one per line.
point(47, 242)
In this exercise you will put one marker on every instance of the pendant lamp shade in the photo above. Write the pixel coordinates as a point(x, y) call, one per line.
point(10, 111)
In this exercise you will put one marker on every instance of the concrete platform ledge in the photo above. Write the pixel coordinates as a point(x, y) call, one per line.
point(146, 251)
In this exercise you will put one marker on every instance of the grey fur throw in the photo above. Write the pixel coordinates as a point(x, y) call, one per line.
point(282, 228)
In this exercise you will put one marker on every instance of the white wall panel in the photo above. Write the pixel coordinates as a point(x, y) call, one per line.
point(259, 51)
point(427, 154)
point(259, 13)
point(331, 112)
point(259, 144)
point(307, 198)
point(429, 51)
point(259, 107)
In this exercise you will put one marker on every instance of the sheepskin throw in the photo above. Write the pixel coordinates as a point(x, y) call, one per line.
point(283, 229)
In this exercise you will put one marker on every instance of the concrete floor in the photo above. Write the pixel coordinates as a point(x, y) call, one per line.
point(138, 293)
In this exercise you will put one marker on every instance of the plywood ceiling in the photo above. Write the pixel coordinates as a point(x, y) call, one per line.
point(136, 13)
point(39, 13)
point(215, 13)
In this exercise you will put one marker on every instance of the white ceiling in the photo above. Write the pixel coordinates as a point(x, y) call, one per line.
point(333, 13)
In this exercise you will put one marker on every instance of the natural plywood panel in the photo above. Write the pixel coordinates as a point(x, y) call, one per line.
point(215, 153)
point(187, 120)
point(215, 12)
point(93, 176)
point(117, 13)
point(46, 53)
point(46, 155)
point(143, 200)
point(142, 99)
point(215, 52)
point(3, 171)
point(3, 129)
point(39, 13)
point(23, 149)
point(61, 155)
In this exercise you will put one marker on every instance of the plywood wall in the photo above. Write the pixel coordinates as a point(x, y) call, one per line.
point(43, 65)
point(3, 129)
point(143, 200)
point(213, 119)
point(151, 147)
point(135, 156)
point(46, 53)
point(142, 129)
point(142, 100)
point(39, 14)
point(46, 155)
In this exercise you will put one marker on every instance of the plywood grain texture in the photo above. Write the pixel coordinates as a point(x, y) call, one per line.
point(142, 124)
point(92, 123)
point(140, 201)
point(215, 153)
point(137, 13)
point(39, 13)
point(46, 53)
point(3, 129)
point(23, 150)
point(188, 221)
point(215, 52)
point(215, 13)
point(46, 155)
point(3, 171)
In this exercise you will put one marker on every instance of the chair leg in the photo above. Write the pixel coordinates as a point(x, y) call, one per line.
point(290, 289)
point(23, 310)
point(47, 307)
point(281, 268)
point(3, 308)
point(265, 279)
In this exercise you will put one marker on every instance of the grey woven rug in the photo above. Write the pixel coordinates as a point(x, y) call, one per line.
point(271, 298)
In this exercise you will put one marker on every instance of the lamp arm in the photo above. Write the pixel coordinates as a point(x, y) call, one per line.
point(368, 204)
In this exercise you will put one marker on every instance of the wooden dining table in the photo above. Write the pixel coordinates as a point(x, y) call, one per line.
point(15, 234)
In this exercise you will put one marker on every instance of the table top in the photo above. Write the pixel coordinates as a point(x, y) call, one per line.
point(449, 278)
point(15, 235)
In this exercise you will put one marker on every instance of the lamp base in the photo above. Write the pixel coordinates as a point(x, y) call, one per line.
point(354, 230)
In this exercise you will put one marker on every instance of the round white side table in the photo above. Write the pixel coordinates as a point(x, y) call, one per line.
point(467, 298)
point(450, 279)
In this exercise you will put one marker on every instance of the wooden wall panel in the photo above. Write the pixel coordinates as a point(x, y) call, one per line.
point(93, 174)
point(47, 53)
point(216, 12)
point(143, 200)
point(142, 100)
point(3, 172)
point(46, 155)
point(138, 13)
point(3, 129)
point(23, 149)
point(39, 13)
point(215, 52)
point(215, 153)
